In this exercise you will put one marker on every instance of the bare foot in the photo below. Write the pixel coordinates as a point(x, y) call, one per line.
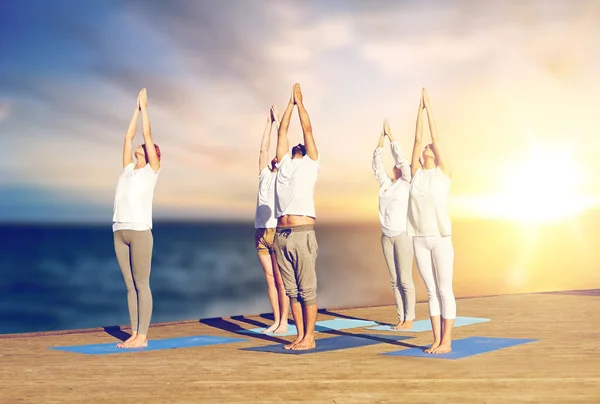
point(407, 325)
point(397, 326)
point(433, 347)
point(137, 342)
point(282, 329)
point(294, 343)
point(272, 328)
point(443, 348)
point(131, 338)
point(306, 344)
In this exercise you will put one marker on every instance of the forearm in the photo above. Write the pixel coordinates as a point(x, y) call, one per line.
point(419, 126)
point(378, 167)
point(380, 144)
point(129, 136)
point(127, 150)
point(282, 142)
point(146, 128)
point(431, 123)
point(304, 119)
point(132, 128)
point(265, 142)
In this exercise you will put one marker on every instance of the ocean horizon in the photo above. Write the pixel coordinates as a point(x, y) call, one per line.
point(65, 276)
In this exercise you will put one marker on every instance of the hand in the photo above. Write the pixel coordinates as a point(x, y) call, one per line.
point(386, 128)
point(424, 98)
point(297, 94)
point(143, 98)
point(274, 114)
point(137, 105)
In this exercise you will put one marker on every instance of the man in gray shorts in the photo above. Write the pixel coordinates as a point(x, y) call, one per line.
point(295, 242)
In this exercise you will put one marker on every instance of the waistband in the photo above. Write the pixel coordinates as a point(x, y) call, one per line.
point(290, 229)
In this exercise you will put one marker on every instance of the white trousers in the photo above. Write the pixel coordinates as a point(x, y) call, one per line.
point(435, 260)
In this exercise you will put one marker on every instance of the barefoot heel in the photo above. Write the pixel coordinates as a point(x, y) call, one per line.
point(466, 347)
point(332, 344)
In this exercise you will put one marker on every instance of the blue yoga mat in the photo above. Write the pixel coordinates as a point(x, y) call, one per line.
point(153, 345)
point(326, 325)
point(466, 347)
point(425, 325)
point(332, 343)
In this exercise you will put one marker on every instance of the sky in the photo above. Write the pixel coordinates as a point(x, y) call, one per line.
point(513, 85)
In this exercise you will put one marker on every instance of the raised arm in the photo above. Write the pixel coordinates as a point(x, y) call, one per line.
point(129, 135)
point(415, 162)
point(386, 130)
point(283, 145)
point(309, 140)
point(263, 159)
point(399, 160)
point(439, 151)
point(147, 132)
point(378, 167)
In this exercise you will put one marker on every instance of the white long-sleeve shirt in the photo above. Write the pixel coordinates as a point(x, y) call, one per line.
point(393, 195)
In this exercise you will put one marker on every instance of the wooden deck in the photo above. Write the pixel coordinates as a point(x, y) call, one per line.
point(563, 367)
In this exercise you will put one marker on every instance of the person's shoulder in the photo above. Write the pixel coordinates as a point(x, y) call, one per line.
point(284, 160)
point(439, 173)
point(150, 170)
point(309, 159)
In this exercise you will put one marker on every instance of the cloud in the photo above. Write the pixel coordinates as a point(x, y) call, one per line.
point(5, 110)
point(212, 70)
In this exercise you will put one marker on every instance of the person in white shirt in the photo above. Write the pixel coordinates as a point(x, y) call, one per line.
point(295, 241)
point(132, 223)
point(265, 223)
point(397, 246)
point(429, 224)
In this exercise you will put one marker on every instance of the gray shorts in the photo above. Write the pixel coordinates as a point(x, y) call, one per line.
point(296, 250)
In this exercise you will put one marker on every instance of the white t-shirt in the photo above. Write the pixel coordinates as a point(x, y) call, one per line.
point(295, 186)
point(428, 204)
point(133, 198)
point(265, 201)
point(393, 196)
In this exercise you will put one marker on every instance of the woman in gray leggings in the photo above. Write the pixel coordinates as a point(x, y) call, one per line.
point(132, 223)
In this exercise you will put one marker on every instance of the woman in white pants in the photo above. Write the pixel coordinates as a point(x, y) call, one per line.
point(429, 224)
point(397, 246)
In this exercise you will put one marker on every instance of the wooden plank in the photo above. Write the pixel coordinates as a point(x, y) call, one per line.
point(563, 367)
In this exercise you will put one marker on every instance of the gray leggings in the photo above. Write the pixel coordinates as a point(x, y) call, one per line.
point(398, 254)
point(134, 254)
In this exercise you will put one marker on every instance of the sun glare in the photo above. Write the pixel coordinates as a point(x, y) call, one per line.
point(544, 188)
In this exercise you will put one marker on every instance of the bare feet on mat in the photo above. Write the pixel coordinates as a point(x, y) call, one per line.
point(272, 328)
point(131, 338)
point(138, 342)
point(444, 348)
point(293, 343)
point(282, 329)
point(433, 347)
point(306, 344)
point(403, 325)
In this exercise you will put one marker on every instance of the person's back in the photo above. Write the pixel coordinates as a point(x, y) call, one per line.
point(295, 187)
